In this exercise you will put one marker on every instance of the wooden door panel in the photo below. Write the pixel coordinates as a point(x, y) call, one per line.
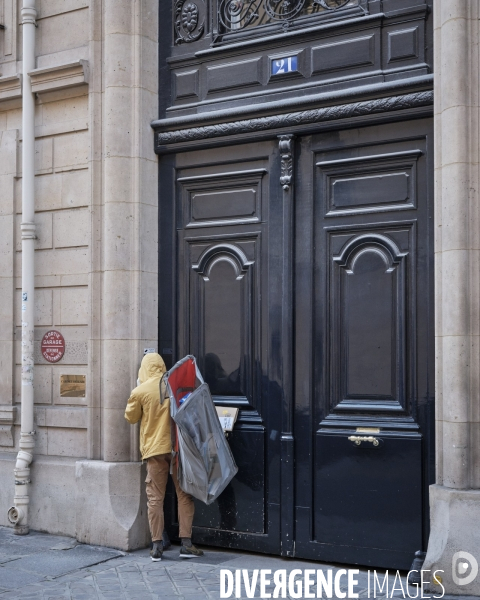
point(223, 198)
point(223, 233)
point(371, 257)
point(241, 507)
point(369, 497)
point(223, 307)
point(383, 180)
point(368, 339)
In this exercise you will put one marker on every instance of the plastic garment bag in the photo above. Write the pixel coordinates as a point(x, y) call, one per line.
point(206, 465)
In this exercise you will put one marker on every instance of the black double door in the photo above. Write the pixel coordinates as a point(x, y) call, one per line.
point(309, 307)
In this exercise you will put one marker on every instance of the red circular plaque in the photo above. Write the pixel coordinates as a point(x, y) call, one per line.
point(53, 346)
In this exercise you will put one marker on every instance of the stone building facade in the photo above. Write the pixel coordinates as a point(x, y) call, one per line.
point(95, 262)
point(97, 81)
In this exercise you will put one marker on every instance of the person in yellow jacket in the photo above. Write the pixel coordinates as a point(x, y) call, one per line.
point(156, 448)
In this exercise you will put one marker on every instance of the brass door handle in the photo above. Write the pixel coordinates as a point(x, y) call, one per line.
point(358, 439)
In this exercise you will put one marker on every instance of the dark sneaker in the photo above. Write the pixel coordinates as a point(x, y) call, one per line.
point(157, 551)
point(190, 552)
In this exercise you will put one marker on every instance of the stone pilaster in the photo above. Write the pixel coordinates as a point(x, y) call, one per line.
point(129, 227)
point(455, 500)
point(110, 501)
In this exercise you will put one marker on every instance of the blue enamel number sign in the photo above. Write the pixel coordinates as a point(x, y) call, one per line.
point(284, 65)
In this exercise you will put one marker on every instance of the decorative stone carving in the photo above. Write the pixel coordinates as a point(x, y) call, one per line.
point(329, 113)
point(285, 146)
point(189, 21)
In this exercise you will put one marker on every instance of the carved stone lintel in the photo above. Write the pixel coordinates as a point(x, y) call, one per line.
point(285, 146)
point(60, 77)
point(10, 88)
point(328, 113)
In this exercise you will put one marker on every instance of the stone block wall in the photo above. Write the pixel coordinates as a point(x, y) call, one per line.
point(96, 82)
point(63, 218)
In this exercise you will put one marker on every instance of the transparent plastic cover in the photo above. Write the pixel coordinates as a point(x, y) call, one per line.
point(206, 464)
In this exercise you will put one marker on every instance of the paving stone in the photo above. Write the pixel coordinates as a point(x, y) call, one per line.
point(55, 563)
point(13, 578)
point(132, 576)
point(187, 588)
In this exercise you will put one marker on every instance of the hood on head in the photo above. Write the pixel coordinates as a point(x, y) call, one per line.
point(152, 366)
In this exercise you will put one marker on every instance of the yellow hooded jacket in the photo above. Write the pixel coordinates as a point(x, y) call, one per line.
point(144, 404)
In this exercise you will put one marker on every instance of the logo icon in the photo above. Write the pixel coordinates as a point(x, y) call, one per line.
point(464, 568)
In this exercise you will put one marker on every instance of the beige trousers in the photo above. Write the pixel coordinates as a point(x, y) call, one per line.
point(158, 468)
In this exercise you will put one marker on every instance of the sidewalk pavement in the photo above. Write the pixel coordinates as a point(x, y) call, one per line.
point(47, 567)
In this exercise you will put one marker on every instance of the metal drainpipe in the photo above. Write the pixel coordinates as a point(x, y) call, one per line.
point(18, 514)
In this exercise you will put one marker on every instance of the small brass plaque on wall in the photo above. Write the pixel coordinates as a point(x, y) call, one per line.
point(73, 386)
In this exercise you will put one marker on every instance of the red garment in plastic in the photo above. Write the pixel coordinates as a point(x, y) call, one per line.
point(206, 465)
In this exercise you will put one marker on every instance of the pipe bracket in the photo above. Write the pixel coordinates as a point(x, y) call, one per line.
point(28, 231)
point(29, 15)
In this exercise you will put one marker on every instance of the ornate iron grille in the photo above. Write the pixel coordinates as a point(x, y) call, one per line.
point(235, 15)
